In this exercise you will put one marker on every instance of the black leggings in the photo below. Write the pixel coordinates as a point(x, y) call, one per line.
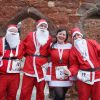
point(60, 93)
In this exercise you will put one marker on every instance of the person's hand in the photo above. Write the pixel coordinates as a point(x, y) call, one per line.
point(67, 73)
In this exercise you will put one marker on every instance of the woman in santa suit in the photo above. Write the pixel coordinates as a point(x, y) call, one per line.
point(10, 63)
point(59, 52)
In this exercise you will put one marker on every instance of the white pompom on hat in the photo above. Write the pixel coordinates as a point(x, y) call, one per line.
point(75, 31)
point(12, 28)
point(41, 21)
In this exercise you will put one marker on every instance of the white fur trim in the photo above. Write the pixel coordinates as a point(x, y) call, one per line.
point(97, 80)
point(9, 62)
point(42, 23)
point(34, 64)
point(50, 64)
point(63, 46)
point(31, 75)
point(77, 32)
point(12, 28)
point(47, 78)
point(3, 47)
point(60, 83)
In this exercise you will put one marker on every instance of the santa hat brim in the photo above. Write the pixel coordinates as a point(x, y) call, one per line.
point(77, 32)
point(12, 29)
point(42, 23)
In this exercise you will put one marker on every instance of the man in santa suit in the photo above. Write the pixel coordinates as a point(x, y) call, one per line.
point(85, 62)
point(10, 65)
point(36, 45)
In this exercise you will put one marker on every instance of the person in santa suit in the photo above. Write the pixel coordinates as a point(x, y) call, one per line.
point(36, 44)
point(85, 62)
point(11, 50)
point(59, 54)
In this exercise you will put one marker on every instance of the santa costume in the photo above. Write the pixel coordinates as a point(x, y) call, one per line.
point(60, 60)
point(36, 45)
point(85, 62)
point(10, 65)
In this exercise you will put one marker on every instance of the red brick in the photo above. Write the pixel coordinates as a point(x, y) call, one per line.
point(62, 14)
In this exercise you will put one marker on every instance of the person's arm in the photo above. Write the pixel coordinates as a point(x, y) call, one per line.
point(49, 46)
point(21, 50)
point(73, 64)
point(96, 46)
point(27, 42)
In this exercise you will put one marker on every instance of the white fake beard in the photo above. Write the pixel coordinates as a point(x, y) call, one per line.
point(42, 36)
point(78, 41)
point(13, 40)
point(81, 46)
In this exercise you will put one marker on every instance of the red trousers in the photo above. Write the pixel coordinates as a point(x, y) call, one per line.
point(27, 87)
point(85, 91)
point(9, 84)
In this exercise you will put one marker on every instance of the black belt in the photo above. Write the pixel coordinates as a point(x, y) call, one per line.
point(37, 55)
point(9, 58)
point(91, 69)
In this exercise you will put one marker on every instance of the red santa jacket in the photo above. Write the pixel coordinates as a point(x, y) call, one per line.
point(33, 63)
point(55, 59)
point(9, 59)
point(77, 63)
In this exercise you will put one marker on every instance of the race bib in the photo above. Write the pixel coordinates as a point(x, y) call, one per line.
point(84, 76)
point(16, 66)
point(44, 68)
point(60, 72)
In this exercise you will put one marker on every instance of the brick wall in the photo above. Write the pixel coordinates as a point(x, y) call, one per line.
point(63, 13)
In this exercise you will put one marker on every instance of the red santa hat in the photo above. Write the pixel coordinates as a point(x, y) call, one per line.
point(12, 28)
point(41, 21)
point(75, 31)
